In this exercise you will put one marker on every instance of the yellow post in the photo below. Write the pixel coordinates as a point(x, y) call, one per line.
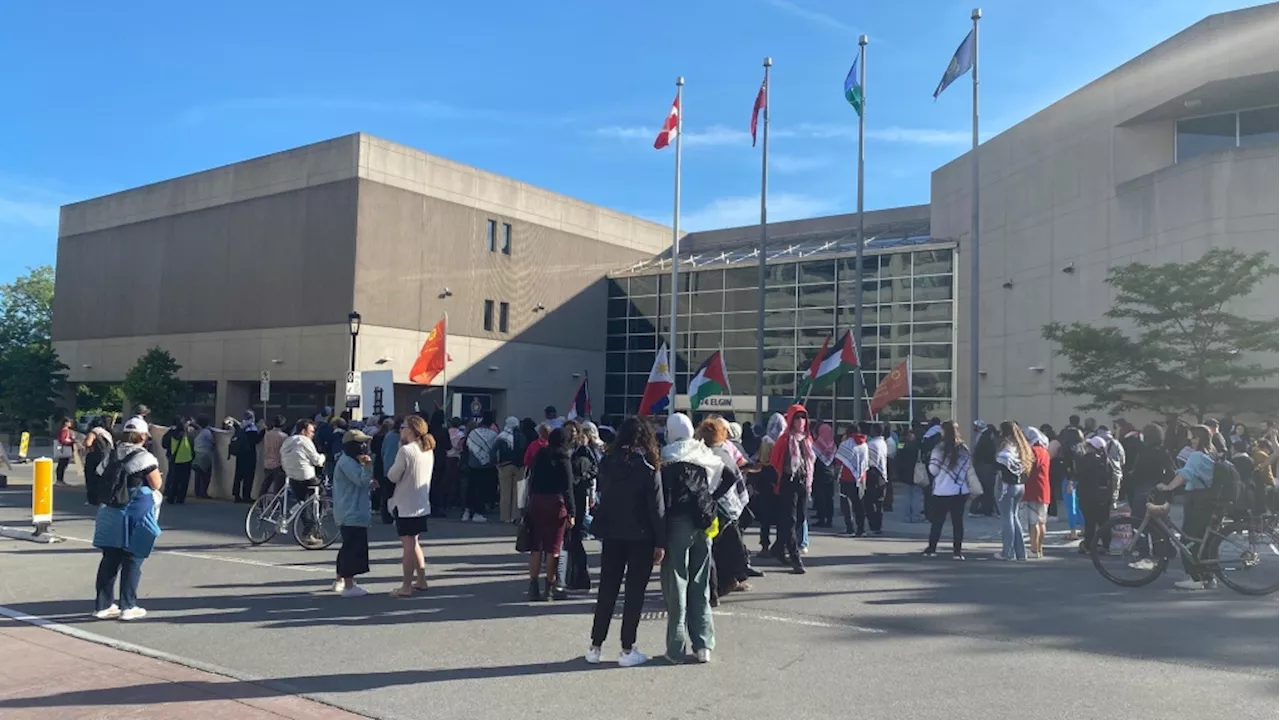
point(42, 495)
point(23, 446)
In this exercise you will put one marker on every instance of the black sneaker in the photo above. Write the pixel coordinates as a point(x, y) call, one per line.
point(558, 593)
point(929, 554)
point(752, 572)
point(797, 567)
point(535, 590)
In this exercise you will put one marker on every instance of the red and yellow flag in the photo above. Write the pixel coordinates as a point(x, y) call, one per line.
point(896, 385)
point(431, 359)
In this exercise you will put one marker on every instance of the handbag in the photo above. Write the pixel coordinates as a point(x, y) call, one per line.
point(62, 452)
point(524, 535)
point(920, 476)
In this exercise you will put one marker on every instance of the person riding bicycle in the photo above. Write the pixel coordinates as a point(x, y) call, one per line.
point(1197, 477)
point(300, 459)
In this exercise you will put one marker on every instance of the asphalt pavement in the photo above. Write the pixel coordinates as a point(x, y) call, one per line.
point(872, 630)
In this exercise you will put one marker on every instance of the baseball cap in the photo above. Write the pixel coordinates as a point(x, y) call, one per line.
point(354, 436)
point(137, 425)
point(1097, 442)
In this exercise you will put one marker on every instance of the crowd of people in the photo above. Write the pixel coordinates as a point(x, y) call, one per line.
point(677, 496)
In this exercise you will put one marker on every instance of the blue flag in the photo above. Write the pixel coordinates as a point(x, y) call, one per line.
point(852, 88)
point(961, 63)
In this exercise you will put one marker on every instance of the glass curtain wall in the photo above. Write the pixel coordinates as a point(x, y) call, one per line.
point(909, 310)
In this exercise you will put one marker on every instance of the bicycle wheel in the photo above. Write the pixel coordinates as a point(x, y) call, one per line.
point(316, 527)
point(1248, 555)
point(259, 525)
point(1130, 561)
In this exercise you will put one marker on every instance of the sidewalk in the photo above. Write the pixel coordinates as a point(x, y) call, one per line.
point(46, 674)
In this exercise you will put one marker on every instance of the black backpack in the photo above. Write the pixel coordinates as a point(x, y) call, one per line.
point(115, 480)
point(1227, 489)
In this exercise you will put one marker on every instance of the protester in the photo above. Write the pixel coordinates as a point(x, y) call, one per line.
point(1152, 466)
point(1219, 442)
point(890, 475)
point(388, 451)
point(301, 460)
point(951, 467)
point(1264, 473)
point(126, 532)
point(64, 449)
point(352, 479)
point(586, 468)
point(765, 502)
point(630, 522)
point(826, 475)
point(1035, 499)
point(410, 504)
point(1095, 489)
point(984, 463)
point(730, 565)
point(202, 462)
point(689, 470)
point(1197, 477)
point(912, 495)
point(243, 448)
point(852, 455)
point(98, 445)
point(272, 473)
point(793, 459)
point(1014, 462)
point(179, 447)
point(439, 495)
point(1070, 446)
point(551, 510)
point(873, 494)
point(510, 447)
point(480, 474)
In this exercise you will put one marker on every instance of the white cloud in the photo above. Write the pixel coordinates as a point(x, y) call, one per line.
point(792, 164)
point(811, 15)
point(745, 210)
point(714, 135)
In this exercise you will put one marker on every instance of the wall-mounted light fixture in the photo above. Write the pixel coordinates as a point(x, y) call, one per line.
point(539, 307)
point(86, 366)
point(982, 373)
point(493, 368)
point(383, 360)
point(577, 375)
point(1008, 285)
point(1070, 268)
point(1036, 369)
point(446, 293)
point(277, 361)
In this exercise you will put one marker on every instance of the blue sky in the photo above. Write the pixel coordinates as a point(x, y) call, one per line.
point(566, 95)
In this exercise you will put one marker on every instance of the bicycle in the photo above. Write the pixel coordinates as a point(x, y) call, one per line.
point(1145, 545)
point(270, 514)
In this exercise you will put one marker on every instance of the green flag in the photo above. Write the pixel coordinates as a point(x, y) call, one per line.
point(853, 88)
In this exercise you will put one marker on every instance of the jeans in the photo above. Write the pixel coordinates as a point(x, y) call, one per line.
point(203, 479)
point(1011, 533)
point(618, 559)
point(117, 561)
point(912, 503)
point(942, 506)
point(803, 540)
point(686, 572)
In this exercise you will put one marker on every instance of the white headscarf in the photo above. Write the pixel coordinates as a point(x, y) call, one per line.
point(1035, 437)
point(509, 429)
point(777, 426)
point(681, 447)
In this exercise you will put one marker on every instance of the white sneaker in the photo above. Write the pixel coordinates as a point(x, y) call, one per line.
point(632, 658)
point(593, 656)
point(478, 518)
point(339, 586)
point(1189, 584)
point(110, 613)
point(703, 656)
point(466, 516)
point(133, 613)
point(354, 591)
point(804, 551)
point(1145, 565)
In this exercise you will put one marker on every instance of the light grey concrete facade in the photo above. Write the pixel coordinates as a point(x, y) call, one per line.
point(1092, 182)
point(255, 266)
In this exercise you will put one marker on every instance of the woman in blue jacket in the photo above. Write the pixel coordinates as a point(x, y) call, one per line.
point(352, 480)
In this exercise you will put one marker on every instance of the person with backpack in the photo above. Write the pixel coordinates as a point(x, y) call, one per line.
point(509, 458)
point(244, 450)
point(481, 474)
point(1095, 489)
point(1198, 477)
point(126, 526)
point(98, 445)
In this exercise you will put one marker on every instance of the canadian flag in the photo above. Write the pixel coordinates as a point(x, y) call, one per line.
point(670, 128)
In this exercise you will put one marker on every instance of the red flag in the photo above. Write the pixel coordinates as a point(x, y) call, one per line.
point(895, 386)
point(431, 359)
point(669, 128)
point(762, 99)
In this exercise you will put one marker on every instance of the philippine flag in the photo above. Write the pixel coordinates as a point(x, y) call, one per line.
point(658, 389)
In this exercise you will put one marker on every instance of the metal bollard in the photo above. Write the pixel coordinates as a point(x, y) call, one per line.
point(42, 496)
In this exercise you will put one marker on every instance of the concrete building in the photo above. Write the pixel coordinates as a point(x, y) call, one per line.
point(1166, 156)
point(255, 267)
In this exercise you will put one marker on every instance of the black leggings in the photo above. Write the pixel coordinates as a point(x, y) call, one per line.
point(62, 469)
point(944, 505)
point(619, 558)
point(851, 507)
point(793, 503)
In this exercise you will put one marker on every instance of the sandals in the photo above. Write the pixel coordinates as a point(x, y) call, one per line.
point(401, 593)
point(423, 587)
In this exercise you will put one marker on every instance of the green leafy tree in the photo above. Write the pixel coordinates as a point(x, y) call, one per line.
point(1180, 348)
point(26, 308)
point(100, 398)
point(154, 382)
point(31, 376)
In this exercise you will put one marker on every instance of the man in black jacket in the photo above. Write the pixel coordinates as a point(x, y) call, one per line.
point(984, 463)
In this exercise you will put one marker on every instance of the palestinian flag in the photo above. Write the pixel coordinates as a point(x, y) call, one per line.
point(832, 363)
point(806, 383)
point(712, 379)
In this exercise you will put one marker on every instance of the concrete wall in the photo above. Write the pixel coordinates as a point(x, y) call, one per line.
point(1074, 184)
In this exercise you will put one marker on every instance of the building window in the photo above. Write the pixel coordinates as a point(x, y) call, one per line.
point(504, 314)
point(488, 315)
point(493, 235)
point(1214, 133)
point(506, 238)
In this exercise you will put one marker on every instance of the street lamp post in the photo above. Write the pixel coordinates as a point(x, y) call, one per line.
point(353, 325)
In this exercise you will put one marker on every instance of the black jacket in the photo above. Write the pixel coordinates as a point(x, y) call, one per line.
point(685, 493)
point(984, 451)
point(1093, 478)
point(1151, 466)
point(631, 504)
point(552, 474)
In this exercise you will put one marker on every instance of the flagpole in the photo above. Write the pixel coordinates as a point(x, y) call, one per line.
point(675, 242)
point(974, 265)
point(764, 232)
point(859, 389)
point(444, 372)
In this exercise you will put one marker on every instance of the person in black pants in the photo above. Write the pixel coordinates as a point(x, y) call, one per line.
point(949, 465)
point(629, 521)
point(244, 450)
point(793, 458)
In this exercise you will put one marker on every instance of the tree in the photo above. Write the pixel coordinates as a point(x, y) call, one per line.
point(100, 398)
point(154, 382)
point(31, 376)
point(1182, 350)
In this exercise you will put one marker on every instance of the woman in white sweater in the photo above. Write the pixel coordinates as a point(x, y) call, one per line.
point(410, 503)
point(951, 467)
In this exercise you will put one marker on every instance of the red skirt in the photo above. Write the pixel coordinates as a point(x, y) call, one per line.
point(548, 517)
